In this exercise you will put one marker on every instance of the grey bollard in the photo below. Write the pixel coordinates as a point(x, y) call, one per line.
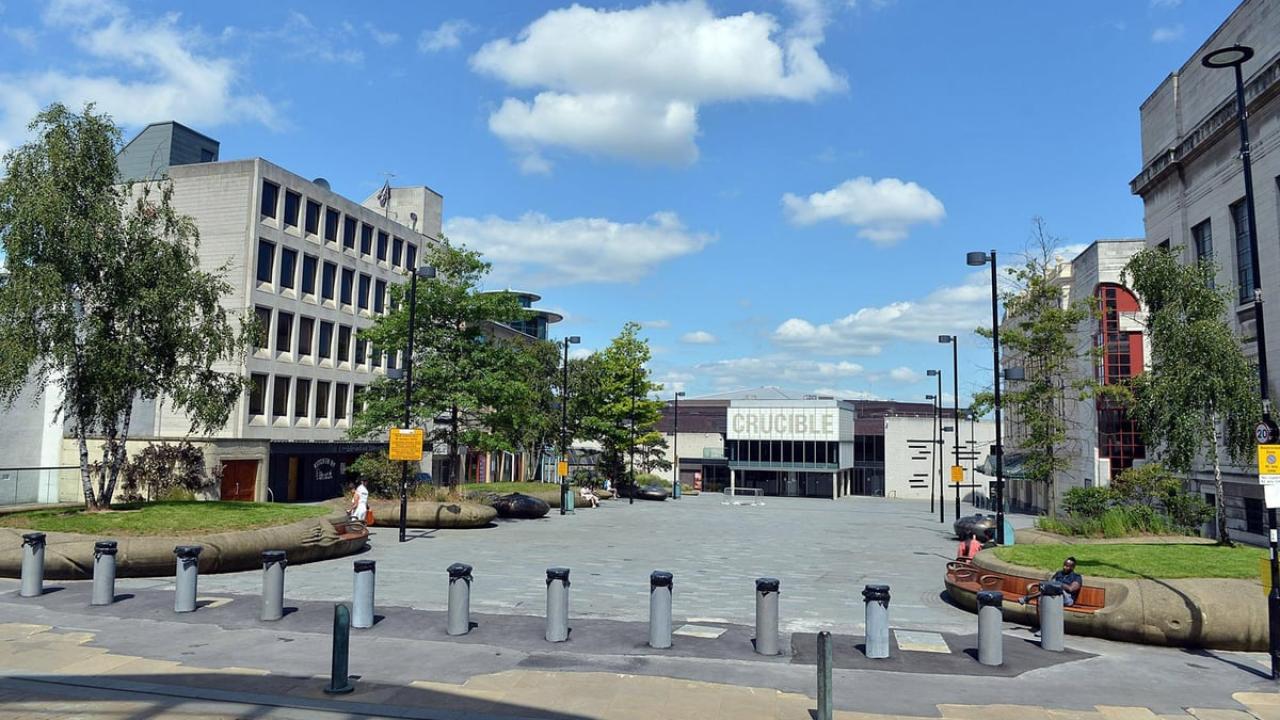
point(186, 578)
point(32, 565)
point(767, 616)
point(990, 632)
point(877, 599)
point(273, 565)
point(362, 600)
point(339, 672)
point(104, 572)
point(1051, 617)
point(824, 676)
point(660, 589)
point(557, 604)
point(459, 599)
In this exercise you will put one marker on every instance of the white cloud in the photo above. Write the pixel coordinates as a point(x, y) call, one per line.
point(1168, 33)
point(628, 83)
point(385, 38)
point(846, 394)
point(1166, 4)
point(699, 337)
point(25, 37)
point(883, 210)
point(904, 375)
point(446, 36)
point(542, 252)
point(655, 324)
point(780, 369)
point(579, 352)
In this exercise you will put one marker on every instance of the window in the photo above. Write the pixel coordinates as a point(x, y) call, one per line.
point(362, 350)
point(288, 266)
point(364, 292)
point(1203, 236)
point(344, 343)
point(266, 256)
point(382, 246)
point(410, 256)
point(375, 356)
point(309, 264)
point(379, 295)
point(322, 400)
point(292, 203)
point(349, 232)
point(1244, 253)
point(257, 393)
point(284, 332)
point(366, 239)
point(397, 251)
point(280, 397)
point(207, 155)
point(302, 398)
point(340, 401)
point(348, 279)
point(263, 314)
point(331, 220)
point(270, 198)
point(326, 339)
point(328, 276)
point(312, 220)
point(358, 396)
point(1255, 516)
point(306, 328)
point(391, 360)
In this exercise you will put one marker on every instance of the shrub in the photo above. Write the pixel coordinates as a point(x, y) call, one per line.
point(165, 471)
point(651, 479)
point(1087, 502)
point(381, 475)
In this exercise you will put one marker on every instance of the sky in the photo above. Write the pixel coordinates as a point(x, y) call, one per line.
point(781, 193)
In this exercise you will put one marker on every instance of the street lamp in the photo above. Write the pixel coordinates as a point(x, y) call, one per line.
point(675, 449)
point(955, 399)
point(564, 423)
point(978, 259)
point(631, 481)
point(938, 451)
point(1235, 57)
point(933, 440)
point(426, 272)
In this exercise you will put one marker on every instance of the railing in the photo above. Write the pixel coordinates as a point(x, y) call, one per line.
point(33, 485)
point(712, 453)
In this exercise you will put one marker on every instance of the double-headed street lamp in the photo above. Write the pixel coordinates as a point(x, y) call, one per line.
point(426, 272)
point(955, 392)
point(675, 449)
point(938, 450)
point(978, 259)
point(564, 424)
point(933, 440)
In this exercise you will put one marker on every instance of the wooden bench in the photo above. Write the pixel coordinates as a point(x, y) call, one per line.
point(974, 579)
point(350, 529)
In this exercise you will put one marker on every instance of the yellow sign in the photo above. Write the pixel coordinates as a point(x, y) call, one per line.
point(1268, 460)
point(1264, 569)
point(562, 468)
point(405, 444)
point(957, 474)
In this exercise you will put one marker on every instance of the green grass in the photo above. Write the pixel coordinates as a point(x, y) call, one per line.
point(503, 488)
point(1141, 561)
point(164, 518)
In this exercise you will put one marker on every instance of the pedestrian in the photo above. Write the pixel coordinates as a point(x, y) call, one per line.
point(969, 546)
point(359, 508)
point(1067, 578)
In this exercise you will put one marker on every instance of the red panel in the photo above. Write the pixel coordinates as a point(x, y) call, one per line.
point(1135, 354)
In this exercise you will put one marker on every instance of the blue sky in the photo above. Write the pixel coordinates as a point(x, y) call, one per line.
point(782, 192)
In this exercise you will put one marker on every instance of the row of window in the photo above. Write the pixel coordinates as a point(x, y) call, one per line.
point(312, 400)
point(1202, 239)
point(324, 281)
point(372, 242)
point(318, 340)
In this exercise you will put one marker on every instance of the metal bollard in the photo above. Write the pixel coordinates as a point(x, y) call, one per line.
point(339, 674)
point(186, 577)
point(660, 589)
point(767, 616)
point(990, 635)
point(273, 565)
point(1051, 617)
point(104, 572)
point(32, 565)
point(557, 604)
point(459, 599)
point(362, 600)
point(824, 676)
point(877, 615)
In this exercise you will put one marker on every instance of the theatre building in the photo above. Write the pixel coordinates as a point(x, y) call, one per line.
point(793, 448)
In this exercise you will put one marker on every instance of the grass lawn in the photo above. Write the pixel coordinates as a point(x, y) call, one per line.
point(164, 518)
point(1136, 561)
point(503, 488)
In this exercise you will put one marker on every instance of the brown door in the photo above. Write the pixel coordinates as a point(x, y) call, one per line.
point(239, 479)
point(293, 479)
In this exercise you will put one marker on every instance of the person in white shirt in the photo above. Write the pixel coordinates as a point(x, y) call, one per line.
point(359, 502)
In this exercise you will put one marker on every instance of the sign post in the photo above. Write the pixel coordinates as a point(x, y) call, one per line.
point(405, 444)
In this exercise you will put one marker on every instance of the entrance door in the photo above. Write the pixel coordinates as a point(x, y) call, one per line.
point(791, 484)
point(293, 479)
point(239, 480)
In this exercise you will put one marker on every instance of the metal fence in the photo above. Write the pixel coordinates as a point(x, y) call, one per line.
point(34, 485)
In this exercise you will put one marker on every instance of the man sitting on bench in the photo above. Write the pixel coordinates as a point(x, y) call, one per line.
point(1067, 578)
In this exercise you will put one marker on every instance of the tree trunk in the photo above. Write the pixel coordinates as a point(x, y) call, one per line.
point(1220, 502)
point(1052, 503)
point(86, 480)
point(453, 446)
point(118, 456)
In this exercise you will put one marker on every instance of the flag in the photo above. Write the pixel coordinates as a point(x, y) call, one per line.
point(384, 195)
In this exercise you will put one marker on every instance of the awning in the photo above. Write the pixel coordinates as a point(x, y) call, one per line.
point(1015, 466)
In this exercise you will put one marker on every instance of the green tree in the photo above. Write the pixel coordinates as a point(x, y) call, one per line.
point(105, 298)
point(622, 417)
point(1200, 395)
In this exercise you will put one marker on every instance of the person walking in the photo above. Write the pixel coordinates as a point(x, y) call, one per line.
point(359, 508)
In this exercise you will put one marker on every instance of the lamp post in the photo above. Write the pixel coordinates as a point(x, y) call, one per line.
point(564, 424)
point(425, 272)
point(955, 399)
point(1235, 57)
point(978, 259)
point(675, 449)
point(631, 481)
point(939, 449)
point(933, 440)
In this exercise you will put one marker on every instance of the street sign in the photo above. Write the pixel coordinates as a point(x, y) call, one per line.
point(1269, 464)
point(405, 444)
point(562, 469)
point(1263, 433)
point(957, 474)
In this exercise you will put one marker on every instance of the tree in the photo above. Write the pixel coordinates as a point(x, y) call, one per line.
point(622, 417)
point(164, 471)
point(105, 297)
point(1200, 395)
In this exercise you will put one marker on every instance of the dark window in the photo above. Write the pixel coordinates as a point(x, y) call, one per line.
point(1244, 252)
point(288, 267)
point(312, 225)
point(362, 350)
point(302, 399)
point(266, 256)
point(375, 356)
point(379, 295)
point(270, 198)
point(284, 332)
point(328, 276)
point(257, 393)
point(331, 219)
point(1203, 236)
point(206, 155)
point(322, 399)
point(344, 343)
point(326, 339)
point(309, 264)
point(1254, 516)
point(1164, 244)
point(382, 245)
point(280, 396)
point(264, 326)
point(366, 239)
point(391, 361)
point(292, 204)
point(397, 251)
point(349, 232)
point(306, 327)
point(359, 398)
point(340, 401)
point(364, 292)
point(348, 279)
point(410, 256)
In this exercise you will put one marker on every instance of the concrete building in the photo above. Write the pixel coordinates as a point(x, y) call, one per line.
point(1192, 190)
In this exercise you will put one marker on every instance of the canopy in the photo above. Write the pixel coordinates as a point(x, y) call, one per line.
point(1015, 466)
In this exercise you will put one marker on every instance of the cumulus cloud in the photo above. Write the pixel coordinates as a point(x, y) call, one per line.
point(25, 37)
point(779, 369)
point(628, 83)
point(904, 374)
point(542, 252)
point(385, 38)
point(655, 324)
point(882, 210)
point(1168, 33)
point(699, 337)
point(446, 36)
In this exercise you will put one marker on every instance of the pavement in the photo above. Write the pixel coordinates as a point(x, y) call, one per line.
point(59, 657)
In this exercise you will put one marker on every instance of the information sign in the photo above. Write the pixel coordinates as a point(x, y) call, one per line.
point(405, 444)
point(562, 469)
point(957, 474)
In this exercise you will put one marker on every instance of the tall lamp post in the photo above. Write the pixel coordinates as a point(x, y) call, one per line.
point(978, 259)
point(426, 272)
point(942, 497)
point(933, 440)
point(631, 481)
point(675, 449)
point(955, 399)
point(1235, 57)
point(564, 424)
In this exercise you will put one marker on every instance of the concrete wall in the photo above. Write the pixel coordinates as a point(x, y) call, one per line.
point(692, 445)
point(215, 453)
point(910, 462)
